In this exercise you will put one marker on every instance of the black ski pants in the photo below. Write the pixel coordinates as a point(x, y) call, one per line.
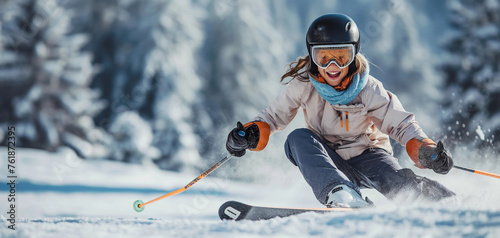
point(324, 169)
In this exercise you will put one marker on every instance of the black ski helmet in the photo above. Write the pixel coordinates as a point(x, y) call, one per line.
point(331, 29)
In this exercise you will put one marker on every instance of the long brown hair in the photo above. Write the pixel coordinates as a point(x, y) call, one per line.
point(300, 69)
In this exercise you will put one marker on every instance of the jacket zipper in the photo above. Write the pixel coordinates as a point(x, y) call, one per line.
point(347, 121)
point(341, 115)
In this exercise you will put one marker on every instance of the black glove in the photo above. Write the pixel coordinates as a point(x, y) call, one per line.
point(435, 158)
point(236, 142)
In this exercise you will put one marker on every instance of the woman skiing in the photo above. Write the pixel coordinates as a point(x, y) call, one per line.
point(349, 117)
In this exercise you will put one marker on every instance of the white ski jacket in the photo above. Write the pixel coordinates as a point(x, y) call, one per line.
point(349, 129)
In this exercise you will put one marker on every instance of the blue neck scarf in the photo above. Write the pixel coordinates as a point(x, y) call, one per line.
point(343, 97)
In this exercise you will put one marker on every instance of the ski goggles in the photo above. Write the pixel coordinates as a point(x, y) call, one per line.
point(324, 55)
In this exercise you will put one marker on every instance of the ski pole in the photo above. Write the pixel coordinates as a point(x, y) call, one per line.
point(478, 172)
point(139, 205)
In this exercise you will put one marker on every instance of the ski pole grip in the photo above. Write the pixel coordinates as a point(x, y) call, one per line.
point(434, 157)
point(241, 133)
point(241, 129)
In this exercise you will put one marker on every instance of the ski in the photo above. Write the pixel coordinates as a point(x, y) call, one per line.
point(233, 210)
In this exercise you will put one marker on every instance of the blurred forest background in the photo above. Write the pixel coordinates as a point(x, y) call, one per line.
point(164, 81)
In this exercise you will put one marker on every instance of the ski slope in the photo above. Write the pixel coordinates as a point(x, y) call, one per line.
point(59, 195)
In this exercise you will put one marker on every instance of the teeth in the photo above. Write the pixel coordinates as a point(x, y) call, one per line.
point(333, 74)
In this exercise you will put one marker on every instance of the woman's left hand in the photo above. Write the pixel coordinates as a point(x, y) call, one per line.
point(435, 157)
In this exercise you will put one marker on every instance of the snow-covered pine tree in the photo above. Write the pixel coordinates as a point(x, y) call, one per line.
point(472, 86)
point(172, 39)
point(148, 54)
point(248, 57)
point(133, 139)
point(245, 55)
point(44, 79)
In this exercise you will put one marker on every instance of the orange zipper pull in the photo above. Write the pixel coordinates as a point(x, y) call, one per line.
point(347, 121)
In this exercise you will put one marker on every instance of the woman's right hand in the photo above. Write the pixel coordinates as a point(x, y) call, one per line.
point(236, 142)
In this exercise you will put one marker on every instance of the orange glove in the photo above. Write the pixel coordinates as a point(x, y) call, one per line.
point(413, 146)
point(426, 154)
point(258, 133)
point(253, 136)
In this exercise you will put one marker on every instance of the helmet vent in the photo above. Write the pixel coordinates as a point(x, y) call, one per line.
point(348, 26)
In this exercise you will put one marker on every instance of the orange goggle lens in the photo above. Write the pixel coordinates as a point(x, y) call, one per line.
point(341, 55)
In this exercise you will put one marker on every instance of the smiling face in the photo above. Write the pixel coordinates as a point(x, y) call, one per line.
point(333, 74)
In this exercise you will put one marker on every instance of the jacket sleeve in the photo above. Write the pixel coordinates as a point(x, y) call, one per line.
point(284, 108)
point(390, 117)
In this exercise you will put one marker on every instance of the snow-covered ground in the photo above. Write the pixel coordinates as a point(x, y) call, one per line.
point(59, 195)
